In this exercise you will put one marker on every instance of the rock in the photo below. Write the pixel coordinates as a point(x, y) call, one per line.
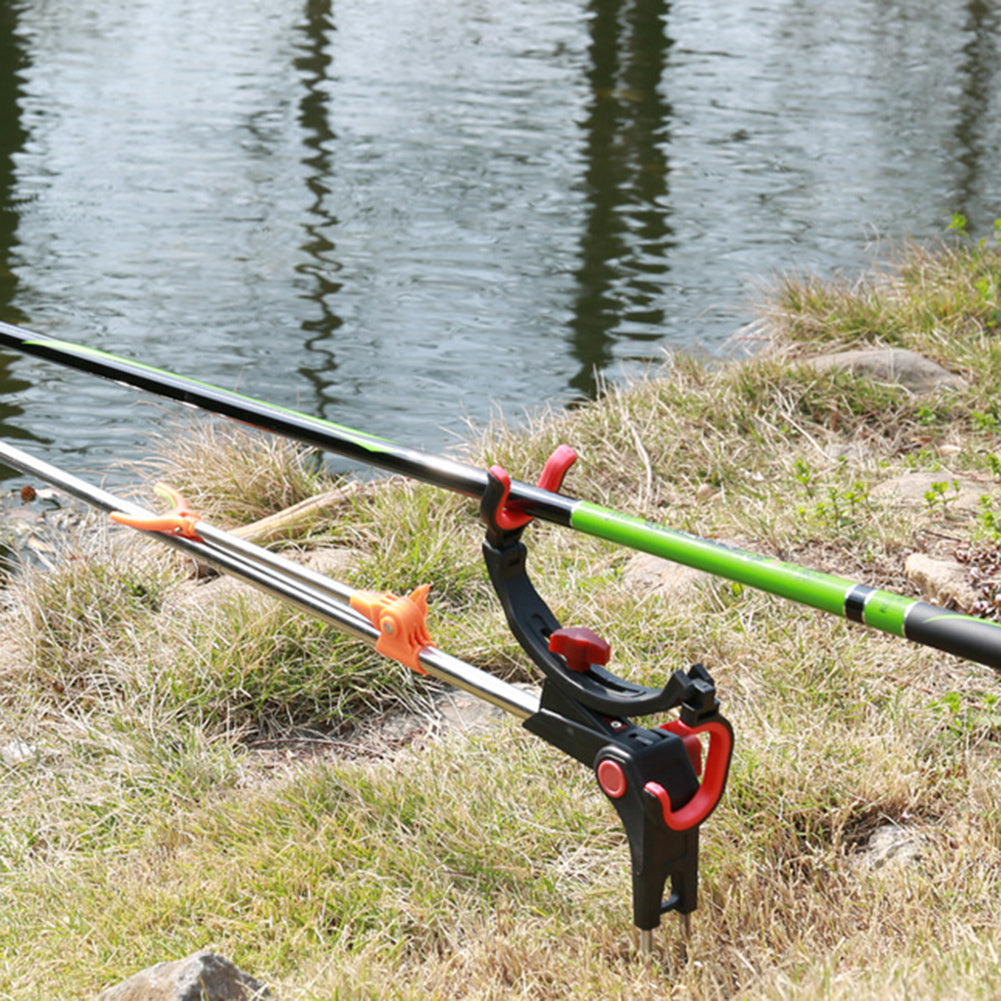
point(203, 976)
point(706, 492)
point(906, 368)
point(331, 562)
point(467, 713)
point(961, 493)
point(942, 582)
point(892, 845)
point(644, 574)
point(14, 752)
point(846, 452)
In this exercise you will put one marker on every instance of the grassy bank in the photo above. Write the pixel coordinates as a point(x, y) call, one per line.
point(186, 765)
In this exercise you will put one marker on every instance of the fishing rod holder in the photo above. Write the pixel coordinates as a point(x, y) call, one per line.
point(655, 777)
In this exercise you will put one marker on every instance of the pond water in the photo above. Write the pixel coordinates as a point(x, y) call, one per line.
point(406, 215)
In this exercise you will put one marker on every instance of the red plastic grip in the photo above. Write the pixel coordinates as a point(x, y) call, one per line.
point(509, 518)
point(580, 647)
point(717, 763)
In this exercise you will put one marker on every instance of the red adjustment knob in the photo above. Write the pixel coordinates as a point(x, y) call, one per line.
point(612, 779)
point(580, 647)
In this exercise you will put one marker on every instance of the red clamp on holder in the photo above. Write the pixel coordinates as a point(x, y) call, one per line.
point(580, 647)
point(713, 780)
point(179, 520)
point(510, 519)
point(401, 621)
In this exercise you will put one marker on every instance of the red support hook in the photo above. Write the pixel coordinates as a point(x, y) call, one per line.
point(714, 778)
point(509, 518)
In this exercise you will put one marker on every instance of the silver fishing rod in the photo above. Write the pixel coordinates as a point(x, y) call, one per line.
point(307, 590)
point(661, 825)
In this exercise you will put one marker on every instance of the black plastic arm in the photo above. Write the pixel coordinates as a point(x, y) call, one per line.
point(533, 625)
point(651, 776)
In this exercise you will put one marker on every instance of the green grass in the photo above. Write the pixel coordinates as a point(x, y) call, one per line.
point(233, 474)
point(185, 764)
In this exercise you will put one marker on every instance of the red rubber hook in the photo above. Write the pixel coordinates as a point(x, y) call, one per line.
point(717, 762)
point(508, 518)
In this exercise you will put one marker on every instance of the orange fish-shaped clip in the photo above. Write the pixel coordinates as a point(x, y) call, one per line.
point(179, 520)
point(401, 621)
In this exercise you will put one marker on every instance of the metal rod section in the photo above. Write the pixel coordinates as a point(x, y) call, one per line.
point(318, 596)
point(646, 941)
point(273, 563)
point(963, 635)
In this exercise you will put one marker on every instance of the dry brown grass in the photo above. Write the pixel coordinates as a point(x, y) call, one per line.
point(142, 825)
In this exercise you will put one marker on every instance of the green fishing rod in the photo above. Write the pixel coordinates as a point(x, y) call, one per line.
point(952, 632)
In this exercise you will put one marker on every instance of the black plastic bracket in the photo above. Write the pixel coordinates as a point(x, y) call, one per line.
point(651, 776)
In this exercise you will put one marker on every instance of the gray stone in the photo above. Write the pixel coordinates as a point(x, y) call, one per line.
point(898, 365)
point(942, 582)
point(467, 713)
point(203, 976)
point(961, 492)
point(470, 714)
point(15, 752)
point(645, 575)
point(892, 845)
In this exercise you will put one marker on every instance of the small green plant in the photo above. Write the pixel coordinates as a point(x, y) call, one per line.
point(987, 422)
point(958, 223)
point(841, 507)
point(805, 475)
point(969, 718)
point(988, 520)
point(961, 225)
point(938, 496)
point(987, 288)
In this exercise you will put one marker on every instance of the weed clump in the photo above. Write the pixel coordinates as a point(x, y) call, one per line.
point(234, 474)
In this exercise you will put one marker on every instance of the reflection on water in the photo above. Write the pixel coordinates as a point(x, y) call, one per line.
point(398, 215)
point(320, 223)
point(977, 134)
point(12, 137)
point(626, 236)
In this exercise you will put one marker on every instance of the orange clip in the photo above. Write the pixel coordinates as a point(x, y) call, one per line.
point(401, 621)
point(179, 520)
